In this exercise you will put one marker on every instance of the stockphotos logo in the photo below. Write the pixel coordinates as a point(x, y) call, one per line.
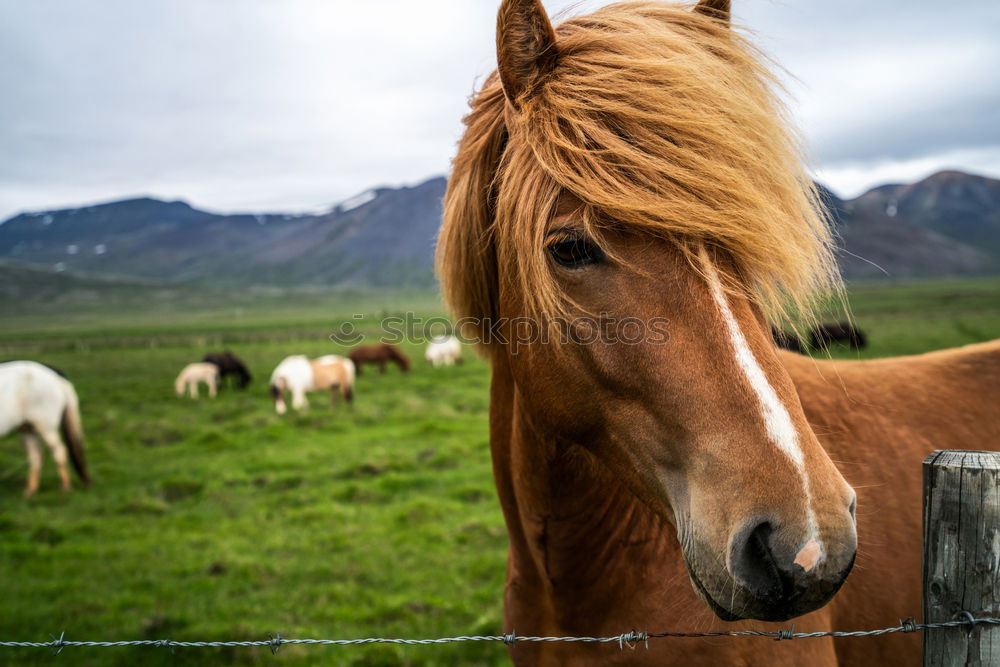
point(517, 332)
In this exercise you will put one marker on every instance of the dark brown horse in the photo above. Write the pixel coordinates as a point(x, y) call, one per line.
point(379, 354)
point(230, 366)
point(822, 335)
point(635, 163)
point(787, 341)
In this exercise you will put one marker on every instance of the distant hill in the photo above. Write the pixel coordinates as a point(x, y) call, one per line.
point(384, 237)
point(945, 225)
point(30, 282)
point(28, 290)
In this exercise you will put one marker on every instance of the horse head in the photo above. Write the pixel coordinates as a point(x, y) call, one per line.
point(626, 200)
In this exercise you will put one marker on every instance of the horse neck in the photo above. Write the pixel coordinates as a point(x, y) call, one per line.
point(579, 540)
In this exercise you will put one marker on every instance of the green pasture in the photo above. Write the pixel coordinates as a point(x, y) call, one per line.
point(213, 520)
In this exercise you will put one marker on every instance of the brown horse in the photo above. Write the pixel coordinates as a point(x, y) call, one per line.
point(634, 164)
point(379, 355)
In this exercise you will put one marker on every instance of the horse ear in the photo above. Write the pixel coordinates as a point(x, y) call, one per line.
point(526, 47)
point(716, 9)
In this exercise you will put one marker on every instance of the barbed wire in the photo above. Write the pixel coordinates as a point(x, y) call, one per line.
point(629, 639)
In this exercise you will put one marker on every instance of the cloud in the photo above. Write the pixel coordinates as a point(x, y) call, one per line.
point(294, 105)
point(234, 104)
point(888, 91)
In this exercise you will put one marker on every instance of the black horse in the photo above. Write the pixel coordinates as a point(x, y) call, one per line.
point(788, 341)
point(230, 366)
point(822, 335)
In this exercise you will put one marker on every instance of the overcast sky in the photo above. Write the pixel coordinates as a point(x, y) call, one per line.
point(297, 104)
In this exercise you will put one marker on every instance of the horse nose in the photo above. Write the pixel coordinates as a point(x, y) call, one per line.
point(782, 575)
point(755, 565)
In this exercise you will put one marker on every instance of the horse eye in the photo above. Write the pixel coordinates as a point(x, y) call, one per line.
point(574, 253)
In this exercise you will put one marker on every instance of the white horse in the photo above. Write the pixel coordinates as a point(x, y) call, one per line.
point(40, 403)
point(192, 374)
point(444, 351)
point(299, 375)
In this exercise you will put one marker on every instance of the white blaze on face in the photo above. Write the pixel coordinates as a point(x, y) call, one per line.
point(777, 421)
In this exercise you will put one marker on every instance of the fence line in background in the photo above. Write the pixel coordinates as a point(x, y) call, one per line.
point(87, 343)
point(966, 621)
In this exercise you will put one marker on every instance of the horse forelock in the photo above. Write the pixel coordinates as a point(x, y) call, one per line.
point(657, 119)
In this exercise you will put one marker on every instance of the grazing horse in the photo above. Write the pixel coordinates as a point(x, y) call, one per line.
point(444, 351)
point(41, 403)
point(787, 341)
point(635, 163)
point(380, 355)
point(192, 374)
point(298, 375)
point(821, 335)
point(230, 366)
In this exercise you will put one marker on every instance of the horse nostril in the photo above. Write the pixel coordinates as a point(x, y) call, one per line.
point(753, 563)
point(853, 509)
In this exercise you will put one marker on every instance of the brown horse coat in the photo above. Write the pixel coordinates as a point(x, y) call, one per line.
point(379, 355)
point(580, 541)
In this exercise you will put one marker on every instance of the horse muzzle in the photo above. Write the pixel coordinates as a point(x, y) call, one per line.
point(770, 578)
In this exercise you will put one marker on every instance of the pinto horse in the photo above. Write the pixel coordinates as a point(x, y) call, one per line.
point(380, 355)
point(635, 163)
point(298, 374)
point(42, 404)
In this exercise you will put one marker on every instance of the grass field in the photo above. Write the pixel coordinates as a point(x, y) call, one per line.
point(220, 520)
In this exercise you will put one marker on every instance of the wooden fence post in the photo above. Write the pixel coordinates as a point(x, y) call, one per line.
point(961, 555)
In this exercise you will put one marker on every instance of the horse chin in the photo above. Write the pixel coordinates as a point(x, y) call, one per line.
point(717, 609)
point(801, 602)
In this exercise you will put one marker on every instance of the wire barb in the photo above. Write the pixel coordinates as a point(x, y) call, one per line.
point(908, 624)
point(275, 642)
point(631, 639)
point(57, 644)
point(786, 634)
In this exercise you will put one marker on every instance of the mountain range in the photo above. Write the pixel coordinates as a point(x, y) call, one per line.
point(945, 225)
point(383, 237)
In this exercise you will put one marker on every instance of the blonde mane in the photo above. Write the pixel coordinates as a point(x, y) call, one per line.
point(659, 119)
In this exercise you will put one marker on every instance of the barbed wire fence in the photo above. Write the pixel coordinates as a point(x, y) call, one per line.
point(631, 639)
point(945, 475)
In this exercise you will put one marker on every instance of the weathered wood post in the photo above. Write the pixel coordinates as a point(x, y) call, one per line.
point(961, 555)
